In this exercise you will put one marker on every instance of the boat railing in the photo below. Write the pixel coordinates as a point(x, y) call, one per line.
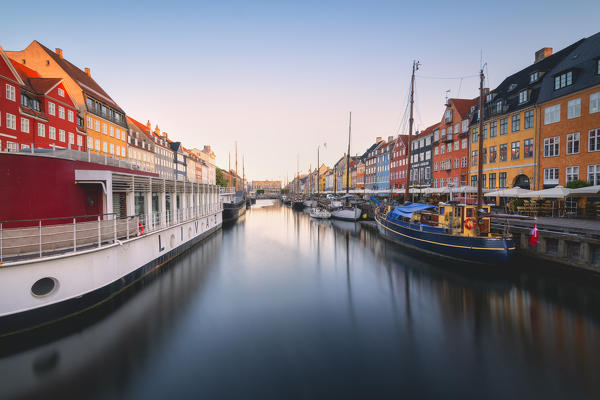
point(29, 239)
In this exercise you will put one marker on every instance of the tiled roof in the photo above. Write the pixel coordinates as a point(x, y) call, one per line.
point(85, 81)
point(463, 106)
point(33, 80)
point(583, 61)
point(428, 130)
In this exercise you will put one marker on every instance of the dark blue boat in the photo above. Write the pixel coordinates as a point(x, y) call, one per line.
point(435, 234)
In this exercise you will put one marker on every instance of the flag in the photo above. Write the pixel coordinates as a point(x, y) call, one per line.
point(535, 236)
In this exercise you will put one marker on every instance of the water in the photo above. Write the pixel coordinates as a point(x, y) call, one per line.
point(282, 306)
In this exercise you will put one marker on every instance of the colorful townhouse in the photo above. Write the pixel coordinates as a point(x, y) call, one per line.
point(163, 155)
point(370, 157)
point(140, 146)
point(511, 126)
point(105, 124)
point(384, 152)
point(398, 163)
point(451, 144)
point(329, 180)
point(421, 158)
point(569, 103)
point(360, 174)
point(35, 111)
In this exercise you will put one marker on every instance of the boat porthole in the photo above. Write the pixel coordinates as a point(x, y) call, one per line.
point(172, 241)
point(44, 287)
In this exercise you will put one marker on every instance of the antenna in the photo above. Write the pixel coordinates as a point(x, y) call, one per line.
point(446, 102)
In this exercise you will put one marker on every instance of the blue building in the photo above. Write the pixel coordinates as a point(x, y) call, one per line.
point(383, 156)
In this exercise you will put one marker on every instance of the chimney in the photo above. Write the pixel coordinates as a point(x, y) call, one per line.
point(148, 125)
point(542, 53)
point(390, 138)
point(88, 73)
point(59, 52)
point(156, 130)
point(378, 139)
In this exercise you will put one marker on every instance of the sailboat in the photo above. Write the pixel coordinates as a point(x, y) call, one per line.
point(316, 211)
point(347, 212)
point(453, 231)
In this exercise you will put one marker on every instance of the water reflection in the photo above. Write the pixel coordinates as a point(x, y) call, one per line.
point(279, 305)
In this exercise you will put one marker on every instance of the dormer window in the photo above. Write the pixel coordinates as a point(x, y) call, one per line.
point(488, 98)
point(523, 96)
point(512, 87)
point(448, 116)
point(598, 66)
point(533, 77)
point(499, 107)
point(563, 80)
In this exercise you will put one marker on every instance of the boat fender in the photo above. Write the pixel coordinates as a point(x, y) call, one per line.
point(470, 223)
point(141, 228)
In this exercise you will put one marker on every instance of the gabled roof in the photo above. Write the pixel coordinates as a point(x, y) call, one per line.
point(366, 153)
point(87, 84)
point(463, 106)
point(583, 61)
point(33, 81)
point(508, 91)
point(428, 130)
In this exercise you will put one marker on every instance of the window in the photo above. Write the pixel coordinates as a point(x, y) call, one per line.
point(24, 125)
point(463, 162)
point(71, 116)
point(443, 133)
point(492, 181)
point(574, 108)
point(515, 150)
point(573, 143)
point(112, 148)
point(552, 114)
point(61, 112)
point(104, 147)
point(111, 131)
point(52, 132)
point(503, 152)
point(523, 96)
point(449, 149)
point(97, 144)
point(11, 147)
point(41, 130)
point(528, 148)
point(594, 102)
point(594, 140)
point(465, 125)
point(61, 135)
point(482, 180)
point(436, 151)
point(90, 143)
point(516, 123)
point(504, 126)
point(97, 125)
point(24, 100)
point(450, 130)
point(598, 66)
point(61, 92)
point(474, 180)
point(485, 130)
point(502, 179)
point(457, 128)
point(448, 116)
point(499, 107)
point(79, 140)
point(551, 176)
point(11, 121)
point(435, 166)
point(552, 146)
point(493, 129)
point(456, 163)
point(488, 98)
point(563, 80)
point(464, 143)
point(594, 174)
point(10, 92)
point(104, 128)
point(493, 154)
point(456, 145)
point(474, 136)
point(442, 149)
point(484, 156)
point(90, 123)
point(528, 123)
point(533, 77)
point(71, 138)
point(51, 108)
point(572, 174)
point(436, 135)
point(474, 158)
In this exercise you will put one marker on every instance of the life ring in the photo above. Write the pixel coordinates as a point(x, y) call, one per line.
point(141, 228)
point(470, 223)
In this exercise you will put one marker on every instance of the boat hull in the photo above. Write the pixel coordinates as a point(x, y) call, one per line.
point(89, 278)
point(472, 250)
point(347, 214)
point(232, 211)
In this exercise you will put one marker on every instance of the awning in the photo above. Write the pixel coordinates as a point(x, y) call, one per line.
point(557, 192)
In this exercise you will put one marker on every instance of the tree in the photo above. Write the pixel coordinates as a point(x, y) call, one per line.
point(260, 191)
point(221, 181)
point(577, 184)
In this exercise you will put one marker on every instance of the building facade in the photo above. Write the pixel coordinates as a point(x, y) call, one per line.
point(421, 154)
point(398, 163)
point(140, 146)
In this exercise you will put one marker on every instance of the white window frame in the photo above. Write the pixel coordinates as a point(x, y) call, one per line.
point(552, 114)
point(41, 130)
point(11, 121)
point(61, 112)
point(594, 102)
point(572, 139)
point(61, 92)
point(593, 172)
point(552, 146)
point(52, 133)
point(51, 108)
point(574, 108)
point(551, 176)
point(571, 173)
point(10, 93)
point(71, 116)
point(594, 135)
point(24, 125)
point(62, 136)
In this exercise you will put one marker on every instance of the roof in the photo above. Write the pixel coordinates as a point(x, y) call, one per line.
point(582, 60)
point(87, 84)
point(463, 106)
point(33, 80)
point(429, 130)
point(366, 153)
point(508, 91)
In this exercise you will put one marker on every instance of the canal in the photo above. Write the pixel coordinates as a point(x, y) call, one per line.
point(282, 306)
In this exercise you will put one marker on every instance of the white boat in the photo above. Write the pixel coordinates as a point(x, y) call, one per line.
point(347, 213)
point(310, 203)
point(320, 213)
point(335, 204)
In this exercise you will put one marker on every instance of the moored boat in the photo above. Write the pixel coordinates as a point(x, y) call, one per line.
point(350, 213)
point(319, 213)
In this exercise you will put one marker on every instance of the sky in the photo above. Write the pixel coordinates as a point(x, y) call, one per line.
point(280, 77)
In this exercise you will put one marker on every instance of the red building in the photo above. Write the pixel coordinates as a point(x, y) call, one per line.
point(451, 144)
point(398, 163)
point(35, 111)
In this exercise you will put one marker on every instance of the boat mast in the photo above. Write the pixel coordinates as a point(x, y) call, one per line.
point(236, 168)
point(318, 168)
point(480, 151)
point(410, 128)
point(348, 155)
point(244, 174)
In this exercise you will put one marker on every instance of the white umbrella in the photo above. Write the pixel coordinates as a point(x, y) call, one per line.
point(586, 190)
point(465, 189)
point(512, 192)
point(559, 192)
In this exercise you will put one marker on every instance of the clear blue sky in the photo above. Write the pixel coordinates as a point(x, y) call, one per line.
point(280, 76)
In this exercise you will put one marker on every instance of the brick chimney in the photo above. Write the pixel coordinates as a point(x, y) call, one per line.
point(542, 53)
point(148, 125)
point(88, 73)
point(379, 139)
point(390, 138)
point(59, 52)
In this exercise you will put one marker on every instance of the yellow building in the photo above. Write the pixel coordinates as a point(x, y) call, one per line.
point(97, 113)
